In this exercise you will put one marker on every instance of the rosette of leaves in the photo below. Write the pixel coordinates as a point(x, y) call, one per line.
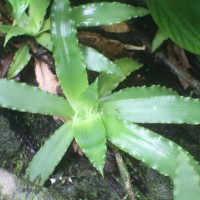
point(94, 114)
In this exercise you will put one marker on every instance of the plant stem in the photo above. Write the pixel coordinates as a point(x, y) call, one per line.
point(124, 173)
point(193, 82)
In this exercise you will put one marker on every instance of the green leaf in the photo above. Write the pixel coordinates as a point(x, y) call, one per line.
point(69, 61)
point(18, 8)
point(179, 21)
point(37, 11)
point(108, 82)
point(44, 39)
point(138, 92)
point(90, 135)
point(154, 150)
point(97, 62)
point(20, 60)
point(88, 100)
point(5, 28)
point(50, 154)
point(187, 181)
point(45, 26)
point(95, 14)
point(17, 31)
point(159, 38)
point(158, 109)
point(25, 98)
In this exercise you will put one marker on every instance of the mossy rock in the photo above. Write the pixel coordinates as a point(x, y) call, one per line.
point(10, 144)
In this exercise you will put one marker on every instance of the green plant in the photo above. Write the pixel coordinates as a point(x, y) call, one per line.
point(95, 114)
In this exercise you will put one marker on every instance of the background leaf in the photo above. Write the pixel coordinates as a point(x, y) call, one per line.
point(97, 62)
point(145, 145)
point(25, 98)
point(95, 14)
point(158, 109)
point(69, 61)
point(37, 11)
point(187, 180)
point(20, 60)
point(50, 154)
point(159, 38)
point(19, 6)
point(179, 20)
point(108, 82)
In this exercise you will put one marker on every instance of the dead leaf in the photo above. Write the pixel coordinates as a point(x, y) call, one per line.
point(45, 78)
point(76, 148)
point(121, 27)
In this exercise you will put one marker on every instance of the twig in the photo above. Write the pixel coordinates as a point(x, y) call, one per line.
point(193, 82)
point(124, 173)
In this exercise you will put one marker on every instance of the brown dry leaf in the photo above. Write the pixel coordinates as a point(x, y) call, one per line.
point(76, 148)
point(121, 27)
point(45, 78)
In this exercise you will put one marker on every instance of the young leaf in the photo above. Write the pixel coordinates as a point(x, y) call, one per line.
point(90, 135)
point(154, 150)
point(50, 154)
point(138, 92)
point(68, 58)
point(158, 109)
point(95, 14)
point(178, 20)
point(186, 181)
point(37, 11)
point(21, 58)
point(44, 39)
point(18, 8)
point(88, 100)
point(25, 98)
point(159, 38)
point(108, 82)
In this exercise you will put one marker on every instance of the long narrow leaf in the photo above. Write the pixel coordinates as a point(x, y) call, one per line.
point(108, 82)
point(95, 14)
point(154, 150)
point(50, 154)
point(18, 8)
point(97, 62)
point(89, 133)
point(187, 180)
point(159, 109)
point(25, 98)
point(17, 31)
point(69, 60)
point(21, 58)
point(5, 28)
point(37, 11)
point(88, 100)
point(138, 92)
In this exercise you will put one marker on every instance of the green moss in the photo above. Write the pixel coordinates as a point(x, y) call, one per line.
point(9, 143)
point(159, 187)
point(82, 181)
point(37, 127)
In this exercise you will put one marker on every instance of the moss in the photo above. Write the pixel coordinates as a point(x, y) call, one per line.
point(9, 143)
point(37, 127)
point(159, 187)
point(82, 181)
